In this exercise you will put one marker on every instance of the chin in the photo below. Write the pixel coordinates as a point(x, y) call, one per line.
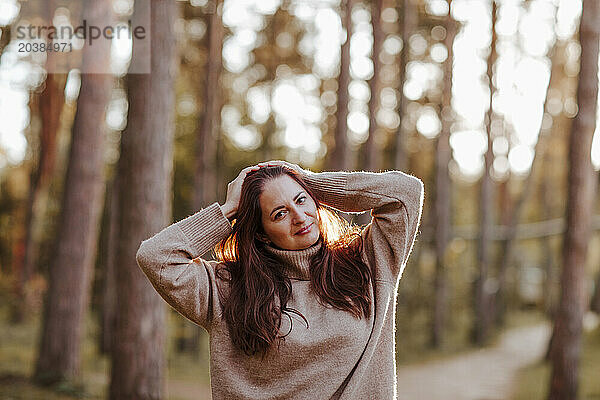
point(308, 241)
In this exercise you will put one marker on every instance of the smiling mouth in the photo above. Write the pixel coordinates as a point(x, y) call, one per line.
point(304, 230)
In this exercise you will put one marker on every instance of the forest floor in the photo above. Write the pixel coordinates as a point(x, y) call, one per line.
point(490, 373)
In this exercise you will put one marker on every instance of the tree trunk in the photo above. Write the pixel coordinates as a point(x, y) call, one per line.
point(370, 153)
point(595, 303)
point(207, 135)
point(5, 37)
point(369, 150)
point(72, 265)
point(482, 318)
point(505, 210)
point(268, 148)
point(339, 158)
point(443, 193)
point(145, 173)
point(109, 286)
point(549, 278)
point(581, 190)
point(205, 186)
point(51, 101)
point(549, 284)
point(409, 18)
point(220, 166)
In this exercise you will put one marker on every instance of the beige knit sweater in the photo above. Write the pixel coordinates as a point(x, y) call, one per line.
point(337, 356)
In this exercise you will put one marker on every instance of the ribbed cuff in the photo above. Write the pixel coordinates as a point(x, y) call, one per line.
point(206, 228)
point(329, 187)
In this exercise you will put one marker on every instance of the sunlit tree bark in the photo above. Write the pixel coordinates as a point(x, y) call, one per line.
point(71, 267)
point(145, 174)
point(548, 261)
point(409, 20)
point(109, 284)
point(482, 318)
point(581, 183)
point(208, 131)
point(51, 102)
point(595, 303)
point(205, 184)
point(443, 193)
point(339, 158)
point(5, 34)
point(370, 150)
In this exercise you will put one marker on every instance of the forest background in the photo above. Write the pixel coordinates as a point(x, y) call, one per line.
point(93, 163)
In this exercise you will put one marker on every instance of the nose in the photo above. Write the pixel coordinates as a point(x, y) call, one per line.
point(298, 217)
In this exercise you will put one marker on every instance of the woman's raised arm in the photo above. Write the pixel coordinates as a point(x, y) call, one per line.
point(395, 200)
point(170, 259)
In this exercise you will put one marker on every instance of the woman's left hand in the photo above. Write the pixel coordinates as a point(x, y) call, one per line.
point(286, 164)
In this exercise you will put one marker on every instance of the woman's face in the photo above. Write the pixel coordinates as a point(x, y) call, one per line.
point(289, 215)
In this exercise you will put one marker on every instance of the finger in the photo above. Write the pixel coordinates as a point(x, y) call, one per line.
point(246, 170)
point(274, 163)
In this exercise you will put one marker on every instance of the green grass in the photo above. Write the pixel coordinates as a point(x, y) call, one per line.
point(533, 381)
point(18, 347)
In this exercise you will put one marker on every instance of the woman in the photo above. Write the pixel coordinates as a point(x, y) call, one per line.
point(296, 306)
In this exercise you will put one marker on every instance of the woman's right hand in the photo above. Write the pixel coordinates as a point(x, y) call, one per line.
point(234, 192)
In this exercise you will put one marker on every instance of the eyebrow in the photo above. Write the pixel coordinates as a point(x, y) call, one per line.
point(280, 207)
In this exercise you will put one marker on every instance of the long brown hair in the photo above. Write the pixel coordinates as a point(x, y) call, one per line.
point(258, 287)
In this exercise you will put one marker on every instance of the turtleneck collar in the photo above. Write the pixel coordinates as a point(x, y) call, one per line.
point(296, 262)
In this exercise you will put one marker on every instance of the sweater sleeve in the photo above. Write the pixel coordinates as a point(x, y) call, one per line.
point(395, 200)
point(170, 261)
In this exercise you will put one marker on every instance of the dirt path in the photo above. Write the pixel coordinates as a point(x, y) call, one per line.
point(486, 374)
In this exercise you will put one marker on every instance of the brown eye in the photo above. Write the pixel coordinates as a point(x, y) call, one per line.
point(301, 200)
